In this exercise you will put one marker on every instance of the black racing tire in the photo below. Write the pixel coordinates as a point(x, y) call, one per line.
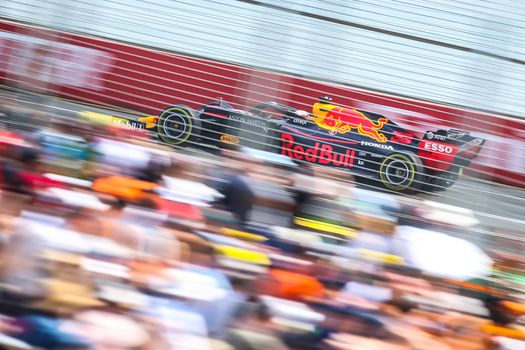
point(178, 126)
point(443, 181)
point(402, 172)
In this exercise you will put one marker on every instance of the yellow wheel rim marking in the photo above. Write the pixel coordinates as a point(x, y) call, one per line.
point(385, 181)
point(190, 125)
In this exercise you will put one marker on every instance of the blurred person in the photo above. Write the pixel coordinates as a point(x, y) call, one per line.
point(20, 179)
point(320, 193)
point(237, 189)
point(89, 222)
point(27, 174)
point(497, 311)
point(113, 155)
point(219, 314)
point(177, 170)
point(21, 277)
point(183, 182)
point(190, 303)
point(21, 162)
point(333, 183)
point(301, 187)
point(11, 169)
point(175, 322)
point(113, 324)
point(403, 320)
point(141, 231)
point(64, 148)
point(373, 289)
point(138, 229)
point(503, 322)
point(254, 330)
point(331, 276)
point(153, 171)
point(193, 247)
point(44, 332)
point(20, 272)
point(404, 279)
point(337, 321)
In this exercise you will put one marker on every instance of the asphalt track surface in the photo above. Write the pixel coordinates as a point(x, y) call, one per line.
point(498, 207)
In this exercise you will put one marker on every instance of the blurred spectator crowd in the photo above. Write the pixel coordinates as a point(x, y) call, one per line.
point(111, 241)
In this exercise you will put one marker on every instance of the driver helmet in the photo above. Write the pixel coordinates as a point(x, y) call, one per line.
point(325, 99)
point(219, 102)
point(319, 107)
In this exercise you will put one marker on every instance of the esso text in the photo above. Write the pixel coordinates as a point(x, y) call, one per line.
point(437, 147)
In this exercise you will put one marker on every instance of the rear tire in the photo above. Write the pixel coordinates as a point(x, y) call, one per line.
point(178, 126)
point(401, 172)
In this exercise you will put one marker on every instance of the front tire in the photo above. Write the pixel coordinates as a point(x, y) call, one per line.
point(401, 172)
point(178, 126)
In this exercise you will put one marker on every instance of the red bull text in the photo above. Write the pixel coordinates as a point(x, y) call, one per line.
point(321, 153)
point(342, 120)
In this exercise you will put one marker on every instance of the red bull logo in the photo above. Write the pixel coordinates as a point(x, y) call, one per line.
point(342, 120)
point(321, 153)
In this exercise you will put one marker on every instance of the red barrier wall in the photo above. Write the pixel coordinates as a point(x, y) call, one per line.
point(147, 80)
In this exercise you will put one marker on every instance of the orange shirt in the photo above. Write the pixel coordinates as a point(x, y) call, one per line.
point(293, 285)
point(125, 188)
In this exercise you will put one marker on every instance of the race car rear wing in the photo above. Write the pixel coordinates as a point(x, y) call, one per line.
point(463, 147)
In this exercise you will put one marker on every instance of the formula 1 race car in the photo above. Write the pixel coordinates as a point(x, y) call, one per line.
point(367, 144)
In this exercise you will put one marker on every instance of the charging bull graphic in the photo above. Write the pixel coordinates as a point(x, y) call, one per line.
point(342, 120)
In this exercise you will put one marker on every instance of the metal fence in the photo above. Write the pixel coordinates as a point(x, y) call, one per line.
point(468, 53)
